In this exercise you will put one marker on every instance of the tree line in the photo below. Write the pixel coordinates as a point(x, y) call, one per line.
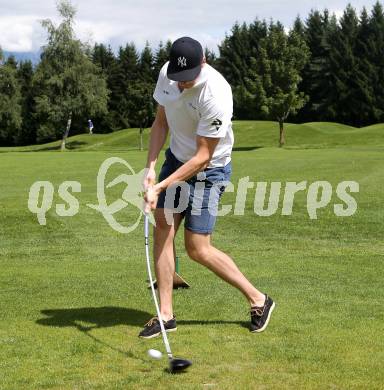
point(322, 69)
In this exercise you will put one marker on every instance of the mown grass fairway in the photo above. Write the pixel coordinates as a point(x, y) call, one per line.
point(74, 296)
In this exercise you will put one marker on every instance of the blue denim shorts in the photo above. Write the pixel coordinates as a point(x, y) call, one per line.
point(197, 199)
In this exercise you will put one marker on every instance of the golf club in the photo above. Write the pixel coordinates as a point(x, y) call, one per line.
point(175, 364)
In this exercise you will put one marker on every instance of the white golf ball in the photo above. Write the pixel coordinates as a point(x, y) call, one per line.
point(155, 354)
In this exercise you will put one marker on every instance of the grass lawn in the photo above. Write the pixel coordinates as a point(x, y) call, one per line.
point(73, 293)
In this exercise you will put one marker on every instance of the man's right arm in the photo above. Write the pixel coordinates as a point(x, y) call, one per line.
point(159, 132)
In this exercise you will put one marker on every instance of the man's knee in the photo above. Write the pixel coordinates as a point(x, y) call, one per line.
point(161, 220)
point(196, 249)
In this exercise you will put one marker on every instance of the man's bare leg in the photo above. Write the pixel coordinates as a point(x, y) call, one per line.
point(163, 250)
point(199, 248)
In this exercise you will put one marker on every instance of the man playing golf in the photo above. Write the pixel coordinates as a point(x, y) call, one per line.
point(195, 105)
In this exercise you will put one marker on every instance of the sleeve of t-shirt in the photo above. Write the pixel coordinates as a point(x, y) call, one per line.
point(158, 95)
point(213, 120)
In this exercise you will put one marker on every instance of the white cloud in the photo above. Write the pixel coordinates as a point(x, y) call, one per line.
point(98, 31)
point(17, 32)
point(121, 21)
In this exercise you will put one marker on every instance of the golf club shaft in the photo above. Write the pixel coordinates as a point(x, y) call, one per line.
point(163, 332)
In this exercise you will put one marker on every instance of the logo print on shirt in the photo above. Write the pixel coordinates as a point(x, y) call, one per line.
point(217, 123)
point(182, 61)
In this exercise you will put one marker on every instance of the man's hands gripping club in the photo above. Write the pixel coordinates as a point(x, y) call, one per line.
point(151, 196)
point(200, 161)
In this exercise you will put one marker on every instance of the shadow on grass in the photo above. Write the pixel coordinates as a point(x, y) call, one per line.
point(69, 145)
point(95, 318)
point(108, 316)
point(246, 148)
point(98, 317)
point(244, 324)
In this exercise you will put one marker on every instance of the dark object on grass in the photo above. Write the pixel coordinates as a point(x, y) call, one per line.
point(177, 365)
point(178, 281)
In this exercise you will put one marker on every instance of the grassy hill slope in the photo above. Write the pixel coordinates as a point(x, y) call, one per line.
point(248, 135)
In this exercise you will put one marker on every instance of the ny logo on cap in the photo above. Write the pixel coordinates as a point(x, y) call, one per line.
point(182, 61)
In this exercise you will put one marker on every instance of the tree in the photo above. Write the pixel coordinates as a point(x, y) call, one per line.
point(10, 109)
point(104, 58)
point(11, 61)
point(146, 65)
point(142, 92)
point(210, 57)
point(161, 57)
point(316, 83)
point(235, 54)
point(69, 85)
point(344, 69)
point(376, 46)
point(144, 114)
point(365, 74)
point(299, 27)
point(128, 73)
point(235, 61)
point(274, 76)
point(27, 132)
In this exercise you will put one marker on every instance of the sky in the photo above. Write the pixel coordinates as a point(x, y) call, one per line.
point(117, 22)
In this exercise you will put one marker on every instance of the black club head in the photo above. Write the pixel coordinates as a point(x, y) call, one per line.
point(178, 365)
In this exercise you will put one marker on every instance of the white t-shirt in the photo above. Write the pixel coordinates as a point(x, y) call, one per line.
point(205, 110)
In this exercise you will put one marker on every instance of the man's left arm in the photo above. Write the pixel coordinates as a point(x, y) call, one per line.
point(204, 152)
point(205, 148)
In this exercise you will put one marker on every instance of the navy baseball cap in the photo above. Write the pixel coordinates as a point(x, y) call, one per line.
point(185, 59)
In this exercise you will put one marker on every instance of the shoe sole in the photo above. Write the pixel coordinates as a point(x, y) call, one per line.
point(267, 321)
point(158, 334)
